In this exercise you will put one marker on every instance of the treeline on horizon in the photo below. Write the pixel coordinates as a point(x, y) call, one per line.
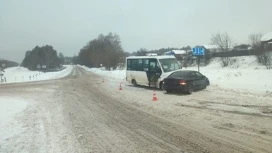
point(107, 51)
point(45, 56)
point(6, 63)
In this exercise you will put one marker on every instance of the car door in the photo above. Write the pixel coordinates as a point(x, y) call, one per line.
point(196, 79)
point(154, 70)
point(201, 81)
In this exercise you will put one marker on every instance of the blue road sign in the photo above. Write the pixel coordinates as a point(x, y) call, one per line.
point(198, 51)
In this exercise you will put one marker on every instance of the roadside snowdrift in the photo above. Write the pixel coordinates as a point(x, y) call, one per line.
point(21, 74)
point(120, 74)
point(244, 73)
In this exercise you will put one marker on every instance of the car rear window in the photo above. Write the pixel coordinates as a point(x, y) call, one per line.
point(179, 74)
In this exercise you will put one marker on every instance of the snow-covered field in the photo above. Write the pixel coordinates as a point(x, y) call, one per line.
point(21, 74)
point(119, 74)
point(244, 74)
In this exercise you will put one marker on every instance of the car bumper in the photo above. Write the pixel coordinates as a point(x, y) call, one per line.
point(174, 88)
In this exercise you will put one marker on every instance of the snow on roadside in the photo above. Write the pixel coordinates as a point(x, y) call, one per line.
point(245, 73)
point(120, 74)
point(9, 108)
point(21, 74)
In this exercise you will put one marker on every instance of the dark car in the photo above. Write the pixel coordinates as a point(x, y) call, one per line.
point(185, 81)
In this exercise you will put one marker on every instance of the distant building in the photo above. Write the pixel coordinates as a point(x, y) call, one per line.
point(175, 52)
point(242, 47)
point(267, 41)
point(211, 48)
point(151, 54)
point(179, 54)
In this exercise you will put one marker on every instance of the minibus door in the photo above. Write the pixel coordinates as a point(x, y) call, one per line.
point(154, 72)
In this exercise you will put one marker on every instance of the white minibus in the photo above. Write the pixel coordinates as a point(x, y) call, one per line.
point(150, 70)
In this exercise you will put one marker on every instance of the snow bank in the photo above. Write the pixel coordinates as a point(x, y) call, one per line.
point(9, 107)
point(120, 74)
point(252, 80)
point(243, 62)
point(245, 73)
point(21, 74)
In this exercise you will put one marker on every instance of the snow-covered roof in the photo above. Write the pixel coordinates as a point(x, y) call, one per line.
point(175, 52)
point(151, 54)
point(179, 51)
point(267, 37)
point(147, 57)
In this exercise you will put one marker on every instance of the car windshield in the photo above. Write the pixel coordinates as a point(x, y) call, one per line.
point(169, 64)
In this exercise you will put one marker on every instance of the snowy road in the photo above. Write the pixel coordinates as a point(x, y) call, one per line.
point(80, 113)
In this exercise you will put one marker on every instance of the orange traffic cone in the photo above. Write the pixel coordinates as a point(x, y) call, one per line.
point(154, 96)
point(120, 88)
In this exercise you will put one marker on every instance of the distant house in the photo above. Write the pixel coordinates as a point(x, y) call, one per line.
point(211, 48)
point(242, 47)
point(179, 54)
point(151, 54)
point(267, 41)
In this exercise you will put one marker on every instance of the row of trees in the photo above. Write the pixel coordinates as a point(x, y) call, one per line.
point(45, 55)
point(144, 51)
point(225, 48)
point(7, 63)
point(224, 43)
point(264, 56)
point(105, 50)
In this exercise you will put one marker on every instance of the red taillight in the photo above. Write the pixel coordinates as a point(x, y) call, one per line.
point(182, 82)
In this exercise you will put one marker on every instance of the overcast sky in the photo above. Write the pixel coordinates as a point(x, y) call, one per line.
point(68, 25)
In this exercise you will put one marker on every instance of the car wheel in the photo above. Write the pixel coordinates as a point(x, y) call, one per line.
point(161, 86)
point(190, 89)
point(134, 83)
point(168, 91)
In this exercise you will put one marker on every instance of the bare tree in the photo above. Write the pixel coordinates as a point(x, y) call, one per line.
point(255, 40)
point(263, 56)
point(61, 57)
point(224, 43)
point(45, 55)
point(105, 50)
point(141, 52)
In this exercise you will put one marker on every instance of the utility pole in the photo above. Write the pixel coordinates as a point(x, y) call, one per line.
point(198, 61)
point(2, 71)
point(1, 74)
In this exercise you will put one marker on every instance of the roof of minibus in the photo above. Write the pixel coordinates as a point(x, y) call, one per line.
point(157, 57)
